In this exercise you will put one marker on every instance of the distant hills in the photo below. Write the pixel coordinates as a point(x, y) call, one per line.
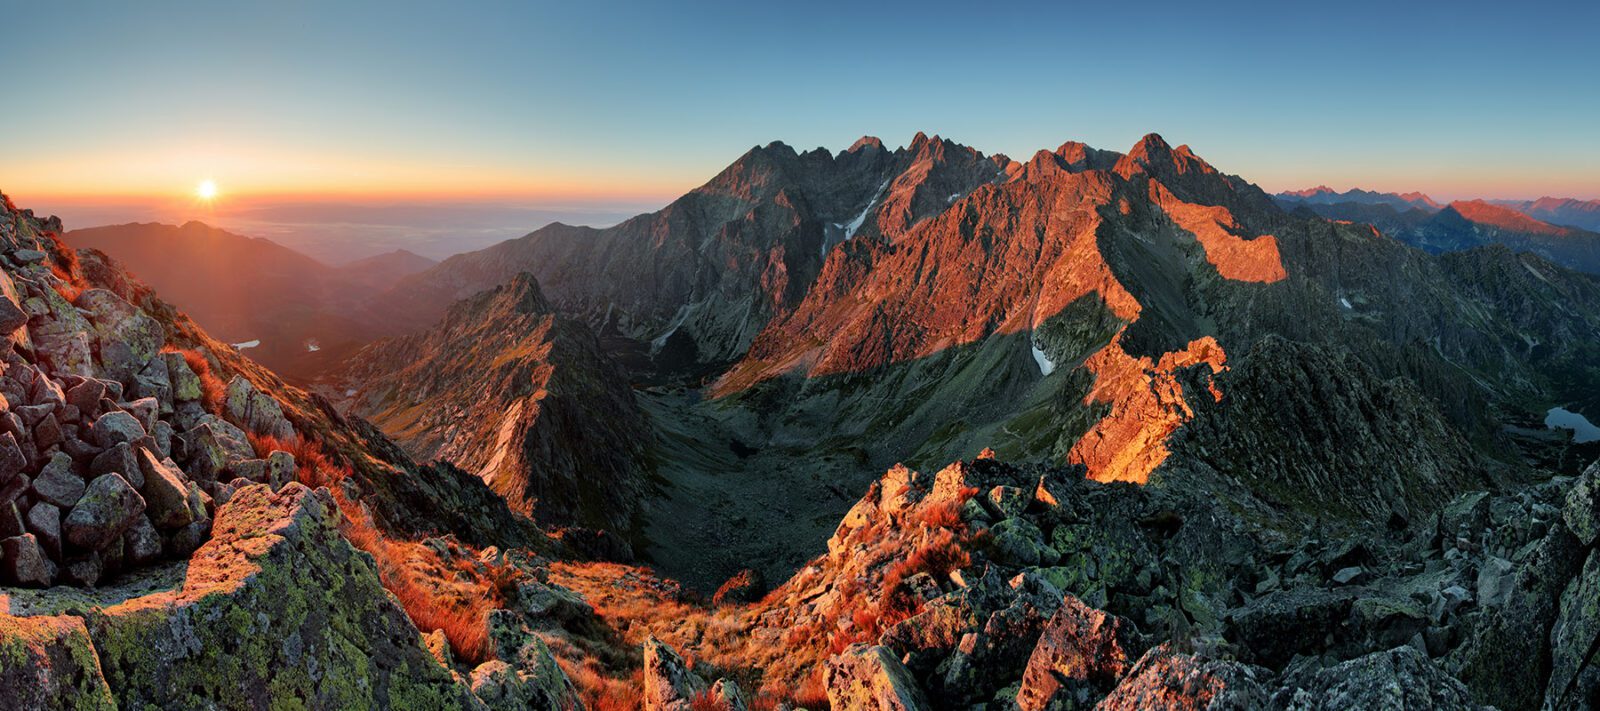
point(296, 311)
point(1559, 229)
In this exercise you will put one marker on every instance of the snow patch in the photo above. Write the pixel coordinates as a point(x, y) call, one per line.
point(953, 197)
point(313, 346)
point(660, 341)
point(1345, 302)
point(852, 226)
point(247, 344)
point(1046, 367)
point(1536, 273)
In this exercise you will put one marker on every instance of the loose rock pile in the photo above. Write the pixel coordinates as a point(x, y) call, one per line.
point(109, 456)
point(1070, 594)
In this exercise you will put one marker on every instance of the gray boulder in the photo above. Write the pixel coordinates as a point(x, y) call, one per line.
point(57, 483)
point(116, 427)
point(1397, 680)
point(108, 508)
point(165, 491)
point(23, 561)
point(872, 679)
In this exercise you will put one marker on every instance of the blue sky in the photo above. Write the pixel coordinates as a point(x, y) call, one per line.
point(633, 103)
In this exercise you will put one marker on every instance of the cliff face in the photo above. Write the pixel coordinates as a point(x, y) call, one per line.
point(520, 397)
point(713, 267)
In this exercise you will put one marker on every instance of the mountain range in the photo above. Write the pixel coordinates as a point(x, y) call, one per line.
point(1419, 221)
point(296, 314)
point(910, 428)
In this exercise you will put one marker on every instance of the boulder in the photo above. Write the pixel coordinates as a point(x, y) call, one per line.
point(668, 683)
point(256, 410)
point(11, 520)
point(872, 679)
point(277, 605)
point(539, 600)
point(1081, 649)
point(86, 396)
point(727, 696)
point(57, 483)
point(85, 570)
point(185, 383)
point(115, 427)
point(165, 491)
point(153, 382)
point(44, 522)
point(47, 433)
point(1165, 679)
point(49, 663)
point(1396, 680)
point(12, 460)
point(108, 508)
point(120, 459)
point(1506, 660)
point(280, 469)
point(534, 682)
point(12, 317)
point(146, 410)
point(23, 561)
point(127, 337)
point(1016, 541)
point(141, 543)
point(1582, 510)
point(1574, 676)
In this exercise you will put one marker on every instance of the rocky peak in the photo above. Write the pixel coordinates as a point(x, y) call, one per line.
point(1498, 216)
point(865, 144)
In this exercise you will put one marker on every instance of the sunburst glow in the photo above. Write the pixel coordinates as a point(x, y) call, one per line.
point(206, 190)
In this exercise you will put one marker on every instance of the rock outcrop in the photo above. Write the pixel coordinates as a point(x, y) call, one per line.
point(110, 457)
point(276, 605)
point(872, 679)
point(523, 398)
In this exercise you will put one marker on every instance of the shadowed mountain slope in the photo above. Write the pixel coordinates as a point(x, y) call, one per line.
point(520, 397)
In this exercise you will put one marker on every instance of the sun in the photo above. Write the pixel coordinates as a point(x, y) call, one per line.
point(206, 190)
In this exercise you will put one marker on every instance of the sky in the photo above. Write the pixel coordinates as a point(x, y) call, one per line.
point(596, 110)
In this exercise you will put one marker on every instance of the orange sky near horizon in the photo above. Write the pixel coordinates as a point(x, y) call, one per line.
point(247, 175)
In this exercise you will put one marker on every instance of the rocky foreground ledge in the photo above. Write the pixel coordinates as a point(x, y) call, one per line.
point(276, 607)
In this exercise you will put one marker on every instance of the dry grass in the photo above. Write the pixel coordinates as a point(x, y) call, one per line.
point(457, 605)
point(813, 691)
point(68, 291)
point(314, 467)
point(604, 693)
point(455, 596)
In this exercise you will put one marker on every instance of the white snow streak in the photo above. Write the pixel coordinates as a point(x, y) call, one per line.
point(677, 320)
point(247, 344)
point(1045, 366)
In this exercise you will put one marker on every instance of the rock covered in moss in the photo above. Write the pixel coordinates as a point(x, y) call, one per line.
point(1401, 678)
point(109, 507)
point(872, 679)
point(1574, 678)
point(1081, 648)
point(669, 685)
point(277, 605)
point(534, 681)
point(48, 662)
point(1166, 679)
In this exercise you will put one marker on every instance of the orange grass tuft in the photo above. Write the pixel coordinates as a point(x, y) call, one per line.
point(402, 567)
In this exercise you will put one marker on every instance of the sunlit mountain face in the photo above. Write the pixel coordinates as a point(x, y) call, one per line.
point(544, 356)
